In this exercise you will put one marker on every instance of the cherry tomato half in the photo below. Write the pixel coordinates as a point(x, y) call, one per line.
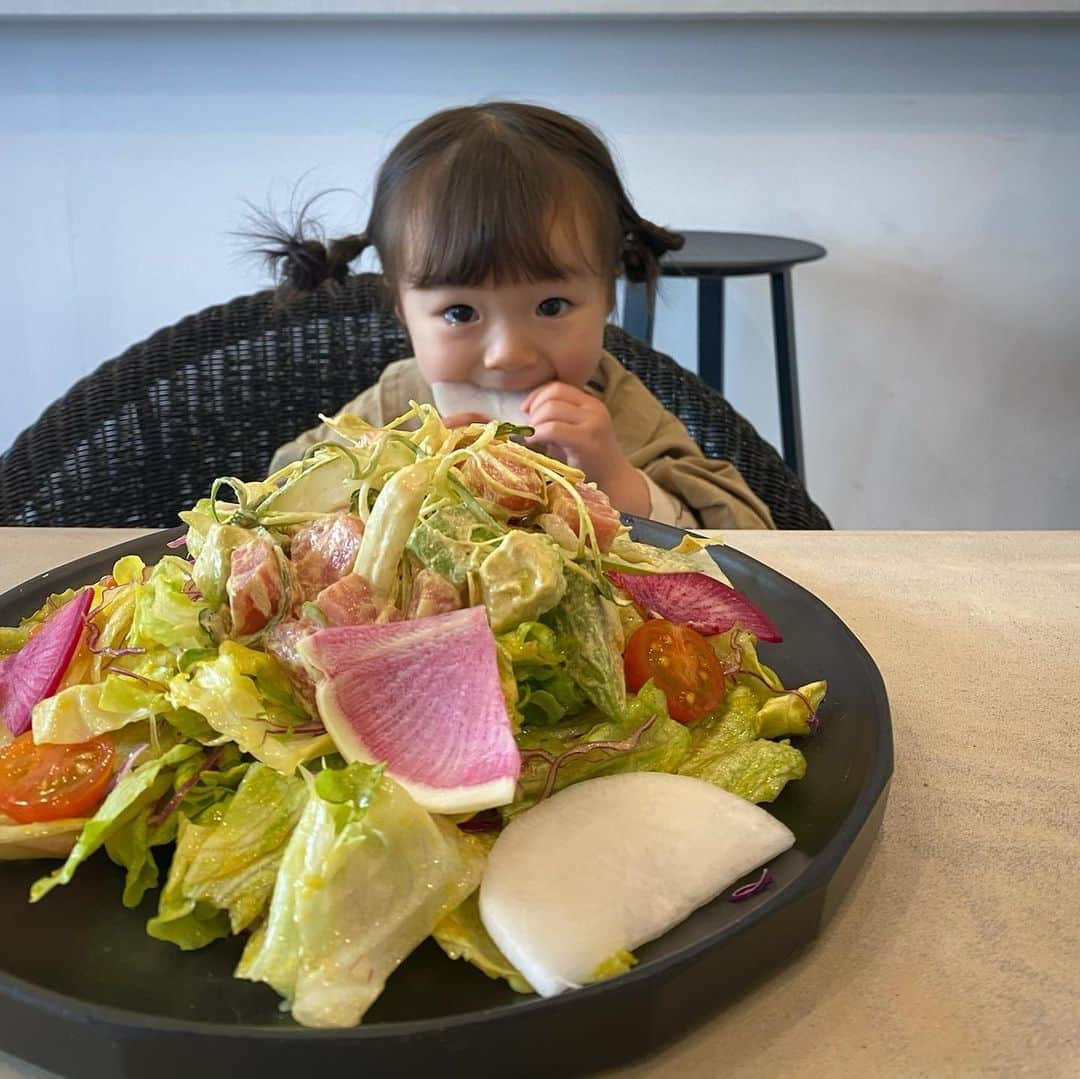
point(680, 662)
point(51, 782)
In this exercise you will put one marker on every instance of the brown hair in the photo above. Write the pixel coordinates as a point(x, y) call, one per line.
point(472, 194)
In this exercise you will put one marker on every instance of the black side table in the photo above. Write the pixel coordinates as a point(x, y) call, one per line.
point(710, 257)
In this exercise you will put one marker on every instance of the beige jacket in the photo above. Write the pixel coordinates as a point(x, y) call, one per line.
point(652, 438)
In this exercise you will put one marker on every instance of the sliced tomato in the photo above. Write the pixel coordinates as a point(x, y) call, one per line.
point(51, 782)
point(681, 663)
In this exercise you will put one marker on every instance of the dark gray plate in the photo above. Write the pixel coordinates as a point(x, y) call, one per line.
point(85, 992)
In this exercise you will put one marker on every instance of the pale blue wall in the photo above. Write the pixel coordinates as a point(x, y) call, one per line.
point(939, 341)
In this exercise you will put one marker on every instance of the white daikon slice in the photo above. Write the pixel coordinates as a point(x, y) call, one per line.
point(613, 862)
point(453, 397)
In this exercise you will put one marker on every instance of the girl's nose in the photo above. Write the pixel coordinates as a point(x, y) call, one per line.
point(508, 350)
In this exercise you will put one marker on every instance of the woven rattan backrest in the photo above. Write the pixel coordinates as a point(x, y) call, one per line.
point(144, 435)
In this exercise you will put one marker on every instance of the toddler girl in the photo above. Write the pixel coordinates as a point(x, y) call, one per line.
point(502, 229)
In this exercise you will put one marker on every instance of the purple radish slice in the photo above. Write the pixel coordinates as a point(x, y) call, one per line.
point(698, 601)
point(33, 673)
point(424, 696)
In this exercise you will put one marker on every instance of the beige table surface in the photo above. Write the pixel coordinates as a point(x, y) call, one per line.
point(957, 950)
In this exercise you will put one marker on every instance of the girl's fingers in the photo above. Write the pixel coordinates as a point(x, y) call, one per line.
point(563, 411)
point(552, 391)
point(558, 433)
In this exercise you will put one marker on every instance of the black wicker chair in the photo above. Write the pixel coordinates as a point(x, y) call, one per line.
point(144, 435)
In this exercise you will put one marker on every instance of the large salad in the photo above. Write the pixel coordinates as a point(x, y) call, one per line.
point(313, 721)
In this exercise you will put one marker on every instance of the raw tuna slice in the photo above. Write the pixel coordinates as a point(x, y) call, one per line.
point(508, 483)
point(256, 586)
point(432, 594)
point(281, 641)
point(698, 601)
point(604, 517)
point(34, 672)
point(348, 602)
point(325, 550)
point(423, 695)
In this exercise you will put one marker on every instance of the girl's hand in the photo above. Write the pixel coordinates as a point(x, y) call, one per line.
point(578, 428)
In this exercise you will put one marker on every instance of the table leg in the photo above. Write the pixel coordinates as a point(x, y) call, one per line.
point(711, 332)
point(787, 382)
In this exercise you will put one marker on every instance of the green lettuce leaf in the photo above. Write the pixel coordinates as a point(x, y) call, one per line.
point(618, 963)
point(545, 691)
point(12, 638)
point(181, 920)
point(200, 785)
point(733, 724)
point(240, 844)
point(790, 713)
point(731, 747)
point(230, 701)
point(129, 846)
point(462, 935)
point(142, 786)
point(461, 932)
point(365, 878)
point(76, 714)
point(784, 711)
point(199, 519)
point(756, 771)
point(659, 747)
point(164, 614)
point(590, 638)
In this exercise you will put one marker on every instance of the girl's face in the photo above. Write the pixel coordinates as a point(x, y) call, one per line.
point(511, 336)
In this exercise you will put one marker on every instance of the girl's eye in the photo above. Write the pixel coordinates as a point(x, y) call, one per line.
point(459, 313)
point(554, 305)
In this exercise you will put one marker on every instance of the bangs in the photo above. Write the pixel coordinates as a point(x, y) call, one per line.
point(500, 210)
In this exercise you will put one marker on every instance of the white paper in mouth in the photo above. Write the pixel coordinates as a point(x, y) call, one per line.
point(505, 405)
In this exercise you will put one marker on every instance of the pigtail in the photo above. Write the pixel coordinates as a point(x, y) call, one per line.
point(298, 256)
point(643, 245)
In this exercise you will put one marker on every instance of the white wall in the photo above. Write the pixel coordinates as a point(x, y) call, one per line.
point(939, 341)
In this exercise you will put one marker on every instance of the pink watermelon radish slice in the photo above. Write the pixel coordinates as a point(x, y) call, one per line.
point(33, 673)
point(423, 695)
point(698, 601)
